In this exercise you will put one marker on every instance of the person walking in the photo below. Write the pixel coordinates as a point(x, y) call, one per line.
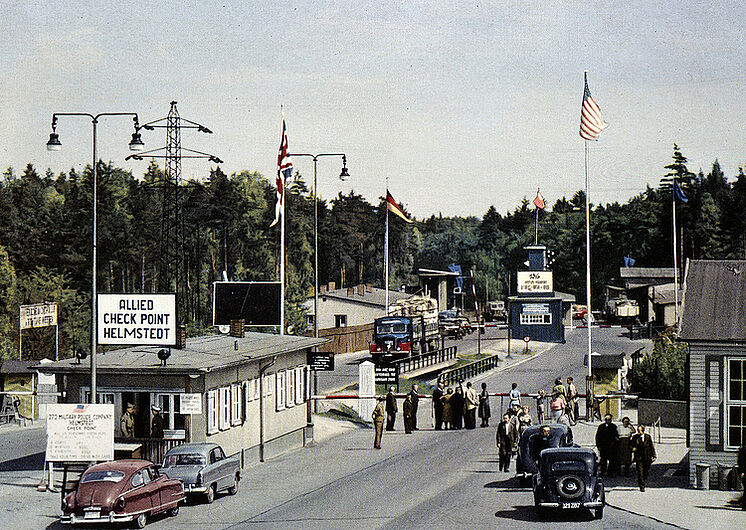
point(470, 407)
point(391, 409)
point(378, 416)
point(624, 454)
point(457, 408)
point(556, 407)
point(156, 425)
point(524, 419)
point(408, 408)
point(607, 440)
point(438, 406)
point(541, 398)
point(572, 401)
point(514, 396)
point(504, 443)
point(558, 388)
point(448, 408)
point(644, 453)
point(127, 422)
point(484, 406)
point(415, 394)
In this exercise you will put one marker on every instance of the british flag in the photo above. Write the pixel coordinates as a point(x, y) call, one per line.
point(284, 171)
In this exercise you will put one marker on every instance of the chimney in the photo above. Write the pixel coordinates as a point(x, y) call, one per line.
point(369, 287)
point(350, 291)
point(332, 286)
point(361, 290)
point(237, 328)
point(180, 337)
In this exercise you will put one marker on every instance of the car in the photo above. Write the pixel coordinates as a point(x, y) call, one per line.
point(568, 480)
point(121, 491)
point(560, 435)
point(203, 469)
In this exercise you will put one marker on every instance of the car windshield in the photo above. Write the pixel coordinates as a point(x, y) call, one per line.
point(184, 460)
point(569, 465)
point(396, 327)
point(98, 476)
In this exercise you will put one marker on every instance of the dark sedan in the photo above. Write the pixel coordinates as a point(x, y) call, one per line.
point(531, 444)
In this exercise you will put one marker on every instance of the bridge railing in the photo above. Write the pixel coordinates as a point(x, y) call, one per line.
point(426, 359)
point(468, 371)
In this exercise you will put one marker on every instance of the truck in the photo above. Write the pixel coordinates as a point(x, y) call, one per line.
point(496, 311)
point(410, 328)
point(622, 310)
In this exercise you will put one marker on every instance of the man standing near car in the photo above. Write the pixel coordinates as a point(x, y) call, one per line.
point(438, 406)
point(391, 409)
point(644, 453)
point(607, 438)
point(415, 395)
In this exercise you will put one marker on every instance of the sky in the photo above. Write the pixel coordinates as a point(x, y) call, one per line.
point(459, 104)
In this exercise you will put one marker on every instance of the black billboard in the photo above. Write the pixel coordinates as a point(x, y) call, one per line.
point(257, 303)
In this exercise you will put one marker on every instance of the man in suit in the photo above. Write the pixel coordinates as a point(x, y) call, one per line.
point(378, 416)
point(607, 438)
point(644, 454)
point(408, 417)
point(438, 406)
point(391, 409)
point(415, 395)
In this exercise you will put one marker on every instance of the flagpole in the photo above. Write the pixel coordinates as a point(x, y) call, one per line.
point(386, 250)
point(589, 314)
point(675, 264)
point(536, 229)
point(282, 259)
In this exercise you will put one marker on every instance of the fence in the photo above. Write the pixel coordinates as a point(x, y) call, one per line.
point(468, 371)
point(347, 339)
point(153, 449)
point(426, 359)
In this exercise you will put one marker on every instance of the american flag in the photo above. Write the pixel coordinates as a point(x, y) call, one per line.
point(539, 200)
point(284, 170)
point(591, 122)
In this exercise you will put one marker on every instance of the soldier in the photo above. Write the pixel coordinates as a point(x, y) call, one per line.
point(127, 423)
point(378, 415)
point(391, 409)
point(156, 426)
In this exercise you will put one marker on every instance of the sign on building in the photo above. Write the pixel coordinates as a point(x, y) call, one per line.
point(321, 361)
point(535, 282)
point(137, 319)
point(257, 303)
point(387, 374)
point(79, 432)
point(190, 403)
point(38, 315)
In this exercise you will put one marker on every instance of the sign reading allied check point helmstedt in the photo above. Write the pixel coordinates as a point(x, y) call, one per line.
point(535, 282)
point(80, 433)
point(190, 403)
point(38, 315)
point(137, 319)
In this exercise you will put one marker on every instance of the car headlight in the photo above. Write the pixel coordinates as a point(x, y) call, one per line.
point(120, 504)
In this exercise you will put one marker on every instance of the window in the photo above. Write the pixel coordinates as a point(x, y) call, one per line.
point(735, 432)
point(340, 321)
point(174, 423)
point(280, 390)
point(224, 407)
point(269, 381)
point(299, 384)
point(212, 412)
point(530, 318)
point(101, 397)
point(137, 479)
point(236, 404)
point(290, 388)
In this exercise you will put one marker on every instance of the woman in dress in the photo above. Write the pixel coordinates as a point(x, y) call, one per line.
point(484, 406)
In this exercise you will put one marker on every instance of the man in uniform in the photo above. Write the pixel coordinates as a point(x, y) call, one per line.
point(127, 423)
point(391, 409)
point(414, 393)
point(156, 426)
point(378, 416)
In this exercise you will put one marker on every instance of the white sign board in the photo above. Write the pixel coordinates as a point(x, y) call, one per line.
point(80, 433)
point(190, 403)
point(138, 319)
point(535, 282)
point(38, 315)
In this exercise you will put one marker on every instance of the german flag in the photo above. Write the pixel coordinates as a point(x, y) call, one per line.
point(394, 207)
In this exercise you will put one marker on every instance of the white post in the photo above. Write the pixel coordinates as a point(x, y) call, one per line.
point(366, 387)
point(675, 261)
point(282, 255)
point(386, 251)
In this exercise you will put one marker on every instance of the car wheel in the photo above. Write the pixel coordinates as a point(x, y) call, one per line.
point(141, 520)
point(234, 489)
point(599, 513)
point(173, 512)
point(210, 494)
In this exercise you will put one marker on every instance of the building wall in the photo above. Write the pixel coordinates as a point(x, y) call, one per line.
point(706, 406)
point(357, 313)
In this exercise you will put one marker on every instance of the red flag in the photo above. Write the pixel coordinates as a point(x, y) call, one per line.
point(394, 207)
point(539, 200)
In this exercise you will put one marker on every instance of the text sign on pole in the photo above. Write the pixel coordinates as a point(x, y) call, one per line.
point(535, 282)
point(80, 433)
point(38, 315)
point(190, 403)
point(321, 361)
point(387, 374)
point(138, 319)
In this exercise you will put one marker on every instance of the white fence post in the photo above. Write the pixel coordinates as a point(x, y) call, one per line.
point(366, 387)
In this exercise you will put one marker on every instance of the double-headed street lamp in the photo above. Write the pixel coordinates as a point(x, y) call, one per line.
point(54, 144)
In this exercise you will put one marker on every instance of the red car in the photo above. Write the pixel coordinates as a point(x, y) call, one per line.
point(121, 491)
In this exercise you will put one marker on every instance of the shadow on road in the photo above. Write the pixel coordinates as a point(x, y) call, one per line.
point(24, 463)
point(528, 513)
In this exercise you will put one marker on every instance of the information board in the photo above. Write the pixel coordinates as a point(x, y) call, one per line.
point(137, 319)
point(535, 282)
point(257, 303)
point(38, 315)
point(320, 361)
point(79, 432)
point(387, 374)
point(190, 403)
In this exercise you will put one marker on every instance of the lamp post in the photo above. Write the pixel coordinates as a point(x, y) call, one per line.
point(54, 144)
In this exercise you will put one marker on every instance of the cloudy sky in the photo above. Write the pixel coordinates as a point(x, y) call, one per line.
point(462, 105)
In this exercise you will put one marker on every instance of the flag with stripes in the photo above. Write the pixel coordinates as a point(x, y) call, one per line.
point(539, 200)
point(394, 207)
point(678, 193)
point(591, 122)
point(284, 171)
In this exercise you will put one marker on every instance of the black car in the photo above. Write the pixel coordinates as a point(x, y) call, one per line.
point(568, 480)
point(530, 446)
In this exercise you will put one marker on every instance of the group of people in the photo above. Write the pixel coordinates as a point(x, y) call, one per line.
point(619, 446)
point(127, 422)
point(509, 430)
point(562, 403)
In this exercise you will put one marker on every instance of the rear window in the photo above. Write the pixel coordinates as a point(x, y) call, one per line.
point(568, 465)
point(184, 460)
point(103, 476)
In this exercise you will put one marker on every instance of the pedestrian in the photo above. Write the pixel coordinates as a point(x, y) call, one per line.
point(514, 410)
point(378, 416)
point(572, 401)
point(484, 406)
point(127, 422)
point(391, 409)
point(624, 454)
point(156, 425)
point(457, 408)
point(607, 440)
point(644, 453)
point(524, 419)
point(514, 395)
point(540, 399)
point(556, 407)
point(408, 409)
point(438, 406)
point(558, 388)
point(415, 402)
point(504, 444)
point(470, 406)
point(742, 469)
point(448, 408)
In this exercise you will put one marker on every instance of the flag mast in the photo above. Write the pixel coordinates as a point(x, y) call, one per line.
point(386, 250)
point(675, 264)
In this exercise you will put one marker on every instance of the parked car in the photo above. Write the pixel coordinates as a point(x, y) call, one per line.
point(450, 325)
point(121, 491)
point(568, 479)
point(560, 435)
point(203, 468)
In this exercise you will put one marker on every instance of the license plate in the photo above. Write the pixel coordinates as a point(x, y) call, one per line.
point(570, 505)
point(92, 514)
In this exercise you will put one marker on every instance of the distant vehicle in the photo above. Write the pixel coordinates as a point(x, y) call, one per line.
point(451, 324)
point(560, 435)
point(496, 311)
point(410, 328)
point(579, 311)
point(568, 479)
point(622, 310)
point(121, 491)
point(203, 469)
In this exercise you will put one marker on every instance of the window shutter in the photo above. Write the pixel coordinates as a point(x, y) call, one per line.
point(212, 412)
point(280, 390)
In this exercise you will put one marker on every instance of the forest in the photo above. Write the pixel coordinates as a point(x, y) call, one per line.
point(46, 232)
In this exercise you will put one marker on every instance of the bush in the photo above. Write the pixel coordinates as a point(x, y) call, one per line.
point(660, 375)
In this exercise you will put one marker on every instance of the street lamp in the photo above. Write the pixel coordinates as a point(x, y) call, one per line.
point(54, 144)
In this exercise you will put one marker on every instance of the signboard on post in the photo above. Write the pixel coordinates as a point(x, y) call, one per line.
point(140, 319)
point(80, 432)
point(535, 282)
point(257, 303)
point(320, 361)
point(387, 374)
point(190, 403)
point(38, 315)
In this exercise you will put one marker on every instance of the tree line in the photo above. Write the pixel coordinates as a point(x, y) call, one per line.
point(46, 232)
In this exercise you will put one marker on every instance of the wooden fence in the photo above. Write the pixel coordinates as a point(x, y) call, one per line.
point(347, 339)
